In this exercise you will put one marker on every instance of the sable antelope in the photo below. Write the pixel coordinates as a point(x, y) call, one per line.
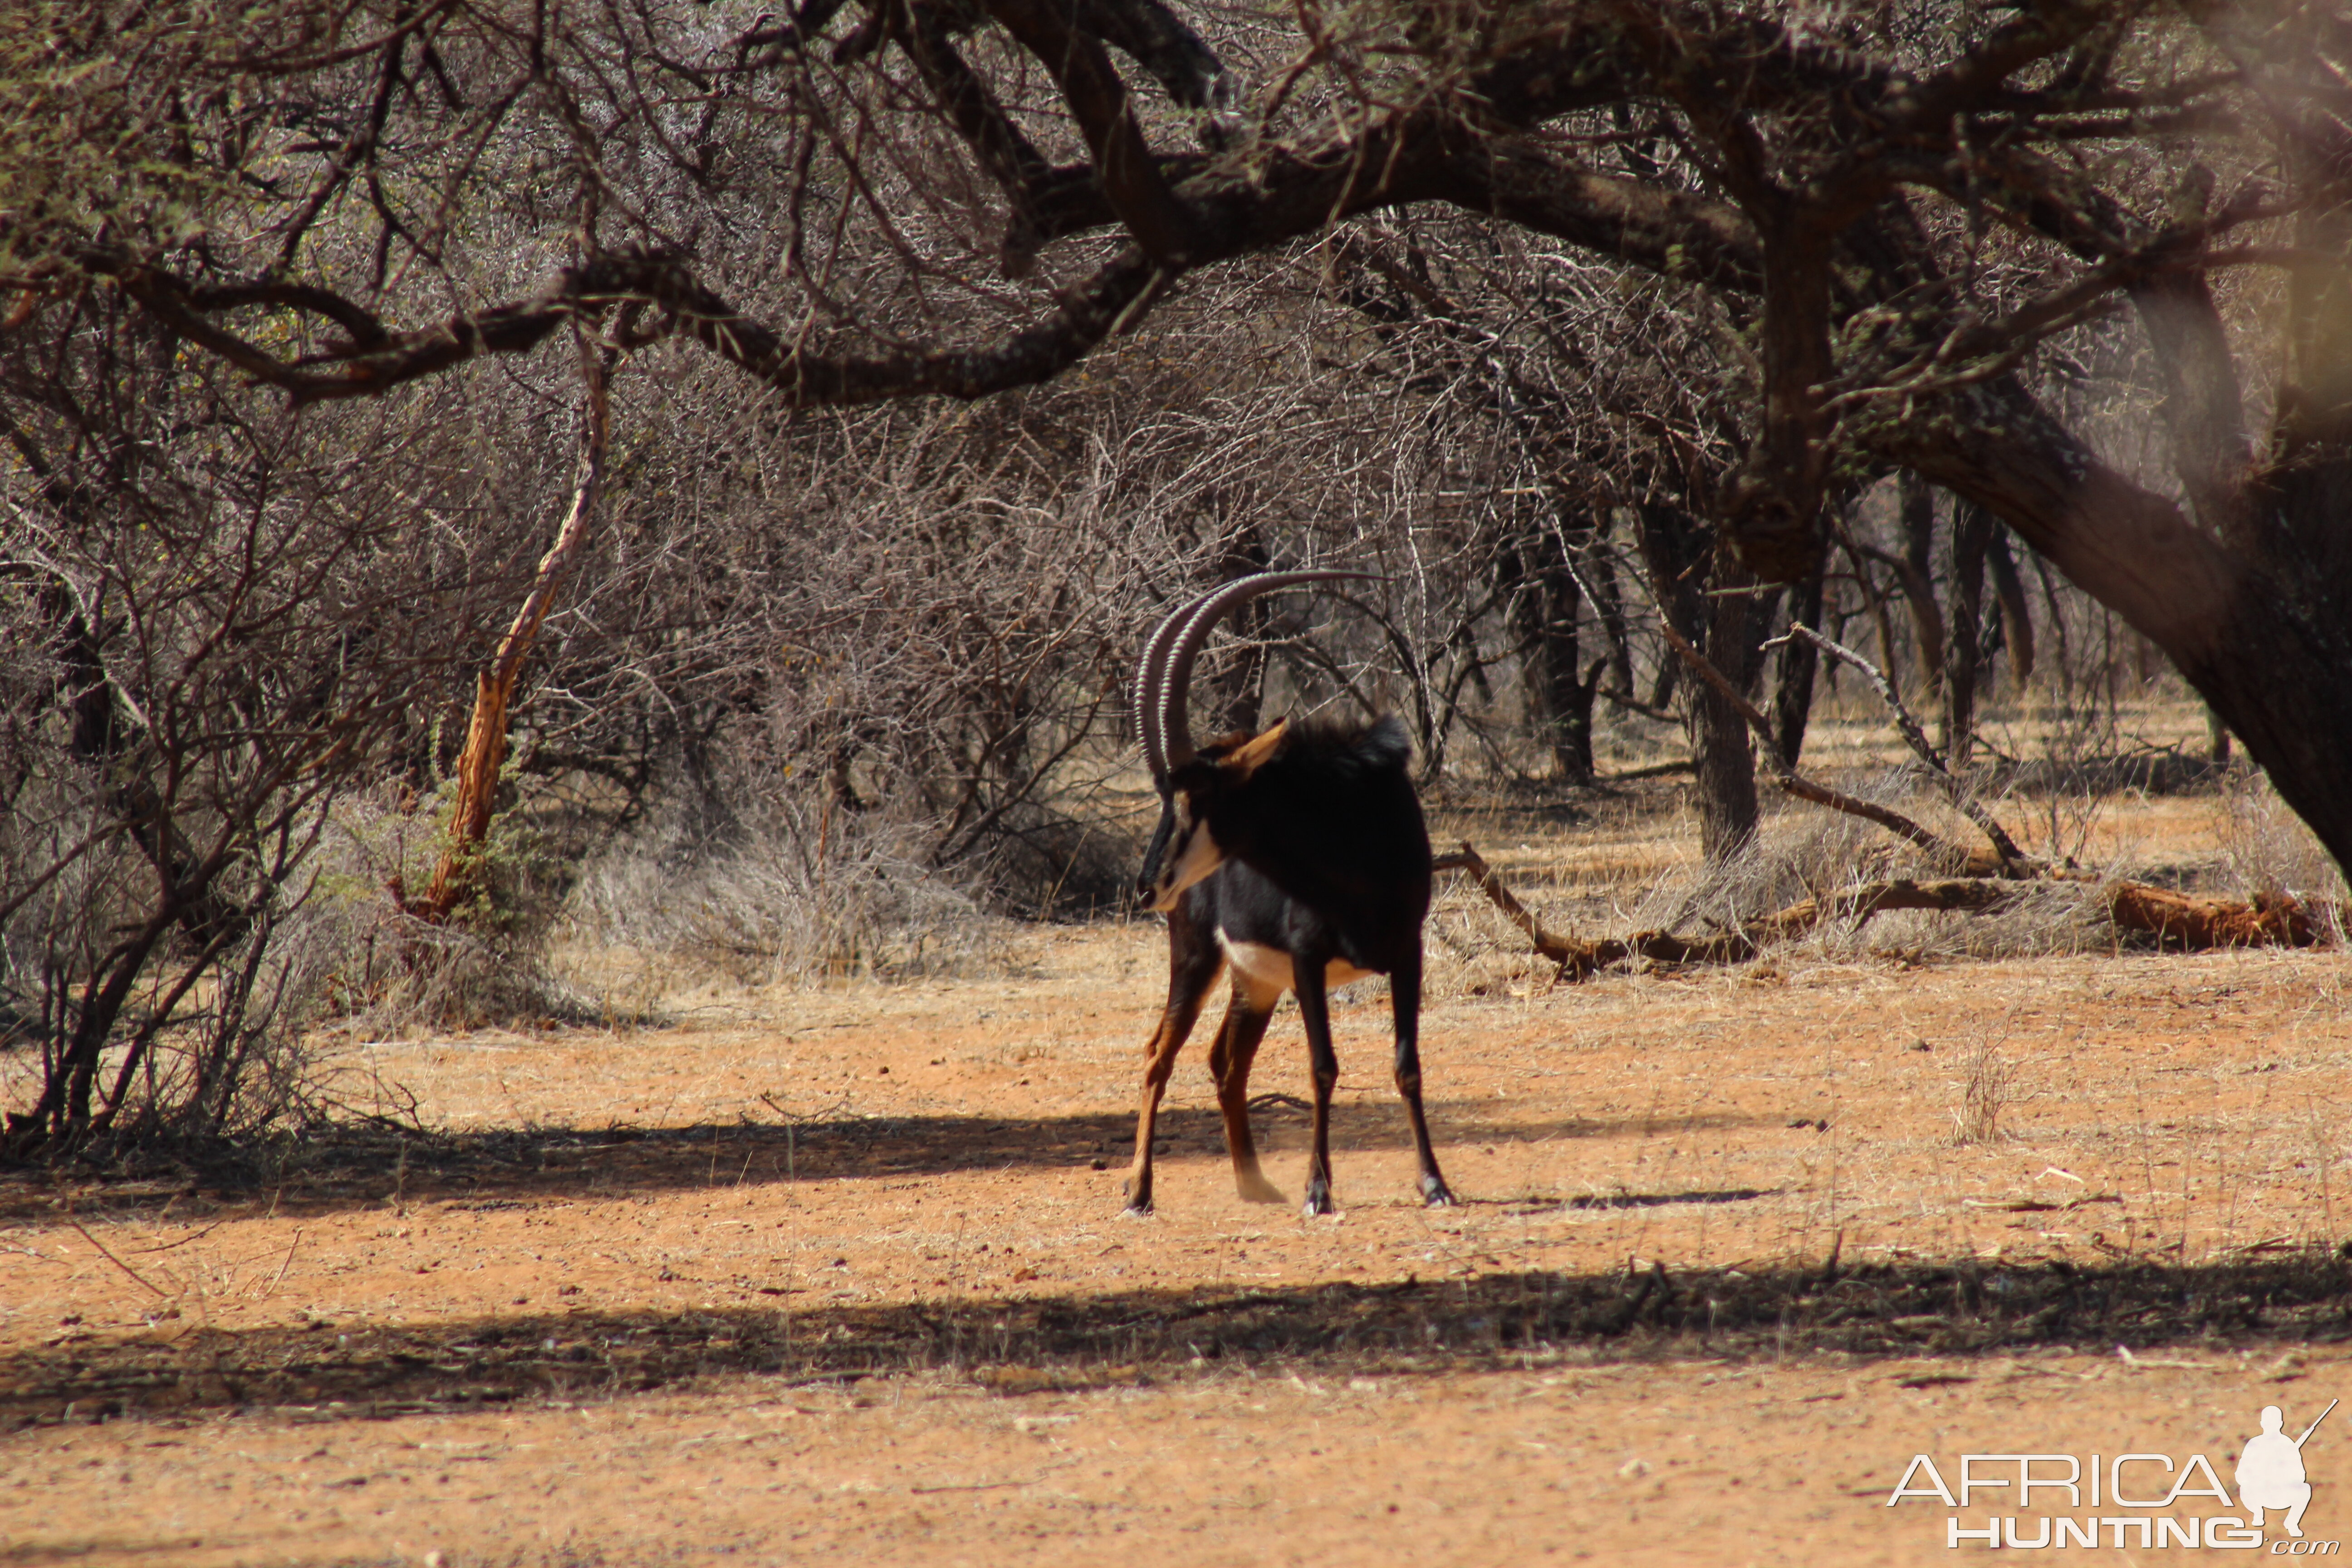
point(1298, 859)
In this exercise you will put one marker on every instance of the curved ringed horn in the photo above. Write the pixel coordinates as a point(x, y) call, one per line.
point(1164, 682)
point(1148, 718)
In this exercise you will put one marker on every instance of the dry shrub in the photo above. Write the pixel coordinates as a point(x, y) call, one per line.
point(784, 897)
point(2268, 853)
point(1987, 1085)
point(2042, 920)
point(1800, 851)
point(386, 972)
point(198, 678)
point(247, 1053)
point(1805, 852)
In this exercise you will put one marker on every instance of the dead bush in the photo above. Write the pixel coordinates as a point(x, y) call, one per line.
point(1987, 1088)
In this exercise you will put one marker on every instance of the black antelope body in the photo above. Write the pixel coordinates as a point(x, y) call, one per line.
point(1297, 861)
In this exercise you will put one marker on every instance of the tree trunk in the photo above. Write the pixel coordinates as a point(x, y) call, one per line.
point(2016, 613)
point(1727, 627)
point(1725, 767)
point(458, 876)
point(1916, 510)
point(1972, 532)
point(1598, 566)
point(1793, 670)
point(1546, 607)
point(1663, 683)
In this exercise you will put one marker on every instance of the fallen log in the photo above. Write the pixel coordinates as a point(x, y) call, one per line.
point(1655, 771)
point(2191, 924)
point(2177, 921)
point(1578, 959)
point(1974, 881)
point(1965, 895)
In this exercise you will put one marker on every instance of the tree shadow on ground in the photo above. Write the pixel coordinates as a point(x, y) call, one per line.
point(356, 1163)
point(353, 1369)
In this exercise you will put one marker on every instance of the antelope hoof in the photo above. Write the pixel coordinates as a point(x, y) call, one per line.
point(1434, 1194)
point(1318, 1200)
point(1138, 1198)
point(1256, 1189)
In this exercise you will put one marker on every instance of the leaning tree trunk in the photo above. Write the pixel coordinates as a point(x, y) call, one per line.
point(458, 876)
point(2251, 597)
point(2016, 612)
point(2264, 636)
point(1727, 628)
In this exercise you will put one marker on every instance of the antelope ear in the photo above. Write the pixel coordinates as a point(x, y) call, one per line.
point(1243, 760)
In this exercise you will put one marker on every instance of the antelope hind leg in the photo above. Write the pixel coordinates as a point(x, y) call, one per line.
point(1230, 1060)
point(1405, 1000)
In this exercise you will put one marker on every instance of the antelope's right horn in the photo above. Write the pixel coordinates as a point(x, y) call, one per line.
point(1163, 678)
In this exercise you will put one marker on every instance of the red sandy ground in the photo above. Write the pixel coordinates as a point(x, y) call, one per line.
point(2186, 1108)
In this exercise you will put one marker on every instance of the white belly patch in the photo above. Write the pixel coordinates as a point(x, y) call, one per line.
point(1267, 970)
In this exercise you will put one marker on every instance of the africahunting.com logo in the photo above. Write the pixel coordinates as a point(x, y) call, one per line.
point(2138, 1502)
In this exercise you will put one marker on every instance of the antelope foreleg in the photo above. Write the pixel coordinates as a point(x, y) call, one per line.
point(1159, 1061)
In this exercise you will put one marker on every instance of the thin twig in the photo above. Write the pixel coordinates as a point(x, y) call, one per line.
point(109, 1256)
point(199, 1235)
point(270, 1289)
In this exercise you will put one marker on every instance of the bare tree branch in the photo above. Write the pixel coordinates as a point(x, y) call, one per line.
point(2014, 861)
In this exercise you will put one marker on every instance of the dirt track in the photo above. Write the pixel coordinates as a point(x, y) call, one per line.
point(740, 1289)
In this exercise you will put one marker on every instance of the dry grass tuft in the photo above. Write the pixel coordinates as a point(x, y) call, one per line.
point(1985, 1084)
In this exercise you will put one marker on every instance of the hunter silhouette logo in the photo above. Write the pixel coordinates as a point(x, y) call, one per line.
point(2141, 1500)
point(2270, 1472)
